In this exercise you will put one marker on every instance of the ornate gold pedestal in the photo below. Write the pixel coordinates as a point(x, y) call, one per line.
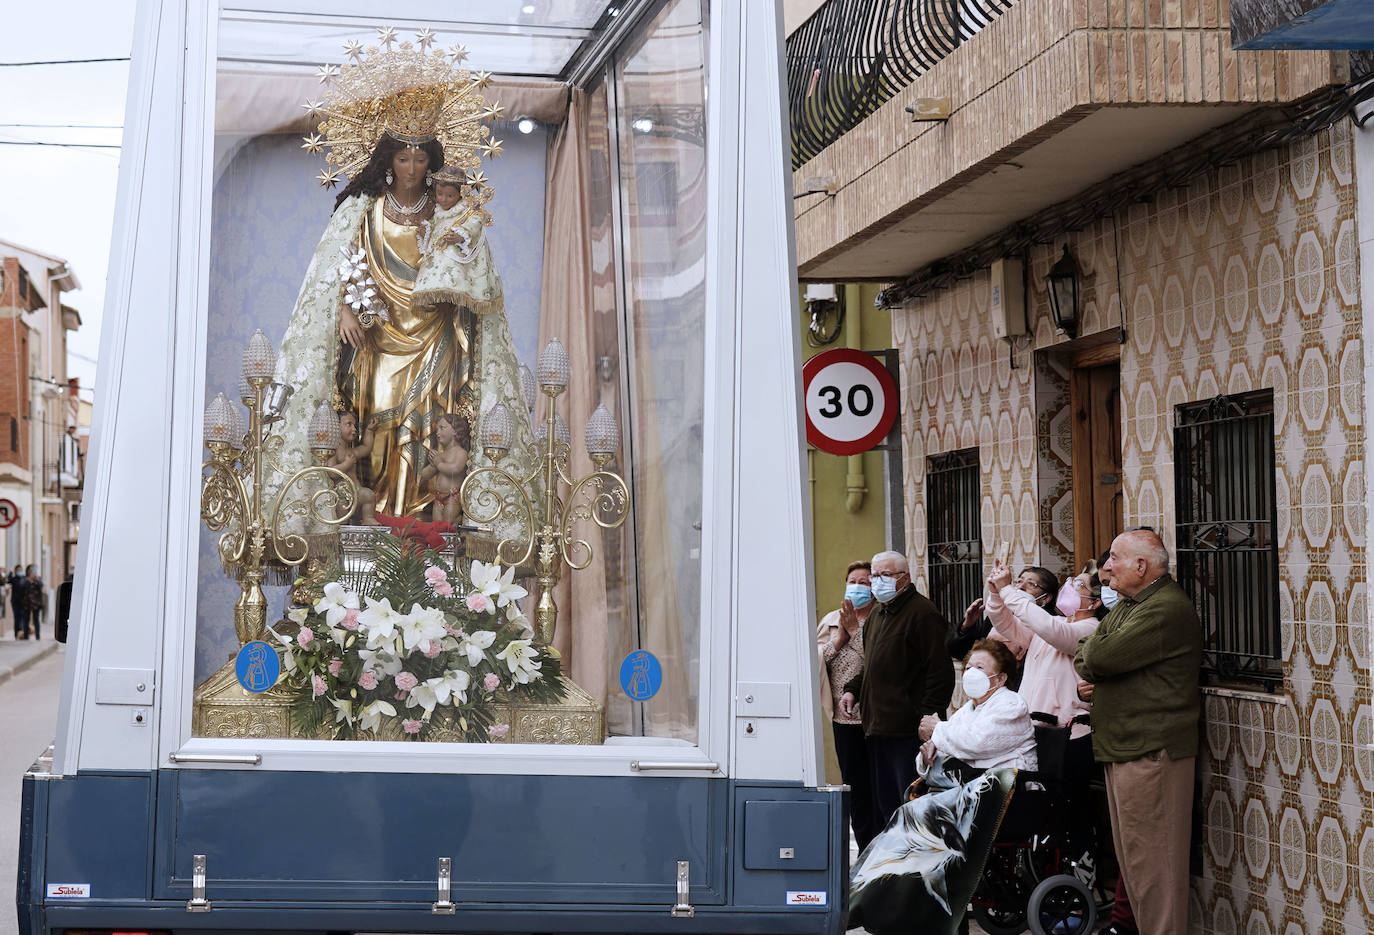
point(222, 708)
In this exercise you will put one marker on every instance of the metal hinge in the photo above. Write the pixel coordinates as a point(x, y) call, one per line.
point(443, 906)
point(683, 909)
point(198, 902)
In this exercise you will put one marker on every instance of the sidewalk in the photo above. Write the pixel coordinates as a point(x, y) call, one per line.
point(18, 655)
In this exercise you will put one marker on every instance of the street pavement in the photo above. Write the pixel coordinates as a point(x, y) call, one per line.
point(30, 682)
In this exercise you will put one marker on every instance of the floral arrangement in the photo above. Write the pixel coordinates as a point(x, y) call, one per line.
point(418, 642)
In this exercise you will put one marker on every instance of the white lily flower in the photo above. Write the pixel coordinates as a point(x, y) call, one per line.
point(380, 661)
point(336, 603)
point(371, 714)
point(522, 659)
point(483, 576)
point(298, 615)
point(507, 591)
point(354, 266)
point(456, 682)
point(379, 622)
point(289, 660)
point(421, 627)
point(473, 645)
point(359, 296)
point(344, 710)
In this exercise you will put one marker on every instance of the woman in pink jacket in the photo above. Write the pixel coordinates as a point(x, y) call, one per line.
point(1049, 683)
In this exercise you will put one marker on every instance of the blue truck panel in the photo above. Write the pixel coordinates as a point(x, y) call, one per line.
point(332, 852)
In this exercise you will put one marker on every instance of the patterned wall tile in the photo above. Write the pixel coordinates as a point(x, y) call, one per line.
point(1248, 279)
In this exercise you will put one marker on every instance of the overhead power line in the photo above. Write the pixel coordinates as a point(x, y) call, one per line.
point(65, 61)
point(65, 145)
point(66, 126)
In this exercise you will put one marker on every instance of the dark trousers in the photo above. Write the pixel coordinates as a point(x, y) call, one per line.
point(892, 767)
point(21, 621)
point(852, 753)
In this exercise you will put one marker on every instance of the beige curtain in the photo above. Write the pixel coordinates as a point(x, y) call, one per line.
point(566, 313)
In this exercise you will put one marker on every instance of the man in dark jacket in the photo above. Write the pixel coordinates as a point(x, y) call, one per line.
point(19, 603)
point(36, 599)
point(907, 675)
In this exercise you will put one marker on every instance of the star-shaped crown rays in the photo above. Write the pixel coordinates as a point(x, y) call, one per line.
point(414, 92)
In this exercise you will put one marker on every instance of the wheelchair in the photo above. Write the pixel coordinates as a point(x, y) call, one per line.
point(1052, 869)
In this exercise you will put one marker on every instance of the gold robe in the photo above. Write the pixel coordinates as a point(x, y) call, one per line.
point(407, 372)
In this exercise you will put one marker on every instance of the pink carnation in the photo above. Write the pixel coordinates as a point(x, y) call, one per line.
point(498, 730)
point(405, 681)
point(350, 619)
point(410, 727)
point(319, 686)
point(335, 666)
point(491, 682)
point(443, 589)
point(456, 631)
point(305, 636)
point(477, 602)
point(434, 649)
point(434, 576)
point(367, 681)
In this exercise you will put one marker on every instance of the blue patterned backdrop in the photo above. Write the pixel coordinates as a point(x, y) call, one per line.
point(268, 214)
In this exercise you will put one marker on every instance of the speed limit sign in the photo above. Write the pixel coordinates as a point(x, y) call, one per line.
point(851, 401)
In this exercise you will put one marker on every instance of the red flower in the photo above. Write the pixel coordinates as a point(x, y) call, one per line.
point(417, 531)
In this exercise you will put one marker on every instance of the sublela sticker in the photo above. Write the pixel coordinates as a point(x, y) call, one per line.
point(69, 891)
point(806, 897)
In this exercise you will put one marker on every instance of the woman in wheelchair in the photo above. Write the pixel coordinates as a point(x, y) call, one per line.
point(992, 729)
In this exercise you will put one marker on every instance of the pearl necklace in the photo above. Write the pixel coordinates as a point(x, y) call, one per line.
point(412, 209)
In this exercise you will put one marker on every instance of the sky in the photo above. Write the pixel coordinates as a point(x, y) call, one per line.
point(61, 200)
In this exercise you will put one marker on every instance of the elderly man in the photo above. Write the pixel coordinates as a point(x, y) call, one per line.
point(907, 674)
point(1144, 661)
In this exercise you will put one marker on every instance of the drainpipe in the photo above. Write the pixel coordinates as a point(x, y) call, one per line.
point(855, 484)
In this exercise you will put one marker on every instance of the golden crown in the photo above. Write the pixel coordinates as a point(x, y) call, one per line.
point(411, 93)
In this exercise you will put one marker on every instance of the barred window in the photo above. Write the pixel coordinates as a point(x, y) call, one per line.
point(955, 545)
point(1228, 558)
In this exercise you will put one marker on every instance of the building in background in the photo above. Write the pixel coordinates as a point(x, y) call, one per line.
point(41, 461)
point(1123, 262)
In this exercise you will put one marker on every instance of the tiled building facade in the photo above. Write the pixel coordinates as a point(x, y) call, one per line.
point(1247, 279)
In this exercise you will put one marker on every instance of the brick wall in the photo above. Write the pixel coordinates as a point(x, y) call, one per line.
point(14, 364)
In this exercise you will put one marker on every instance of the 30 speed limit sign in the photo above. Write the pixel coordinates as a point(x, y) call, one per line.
point(851, 401)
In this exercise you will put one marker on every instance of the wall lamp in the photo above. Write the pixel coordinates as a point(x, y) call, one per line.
point(1062, 283)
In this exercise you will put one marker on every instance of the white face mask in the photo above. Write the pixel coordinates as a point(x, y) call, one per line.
point(976, 683)
point(884, 587)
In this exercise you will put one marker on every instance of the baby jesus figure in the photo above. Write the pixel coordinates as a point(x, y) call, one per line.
point(451, 242)
point(346, 458)
point(448, 465)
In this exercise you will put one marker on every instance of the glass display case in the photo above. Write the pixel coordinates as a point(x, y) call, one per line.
point(454, 376)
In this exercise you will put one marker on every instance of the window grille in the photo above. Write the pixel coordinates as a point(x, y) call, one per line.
point(1227, 554)
point(953, 530)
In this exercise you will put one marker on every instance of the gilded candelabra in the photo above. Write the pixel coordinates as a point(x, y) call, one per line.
point(234, 495)
point(546, 520)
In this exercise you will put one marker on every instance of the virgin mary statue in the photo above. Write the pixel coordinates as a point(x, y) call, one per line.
point(361, 335)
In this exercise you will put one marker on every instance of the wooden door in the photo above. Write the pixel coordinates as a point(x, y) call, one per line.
point(1095, 396)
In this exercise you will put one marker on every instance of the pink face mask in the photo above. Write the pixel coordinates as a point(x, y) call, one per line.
point(1069, 602)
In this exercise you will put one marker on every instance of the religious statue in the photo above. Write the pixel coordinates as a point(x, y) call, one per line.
point(391, 324)
point(447, 467)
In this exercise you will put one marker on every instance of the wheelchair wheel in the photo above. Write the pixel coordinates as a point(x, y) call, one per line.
point(1062, 905)
point(996, 921)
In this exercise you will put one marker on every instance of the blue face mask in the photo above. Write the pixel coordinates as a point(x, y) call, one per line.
point(858, 594)
point(884, 588)
point(1109, 597)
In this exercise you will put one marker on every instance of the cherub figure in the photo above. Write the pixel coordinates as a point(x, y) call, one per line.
point(451, 242)
point(346, 458)
point(448, 465)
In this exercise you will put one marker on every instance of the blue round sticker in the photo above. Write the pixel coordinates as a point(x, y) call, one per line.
point(640, 675)
point(257, 666)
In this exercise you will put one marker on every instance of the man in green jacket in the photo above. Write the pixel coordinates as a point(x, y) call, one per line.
point(1143, 662)
point(907, 674)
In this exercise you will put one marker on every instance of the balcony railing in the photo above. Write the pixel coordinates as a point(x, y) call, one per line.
point(852, 56)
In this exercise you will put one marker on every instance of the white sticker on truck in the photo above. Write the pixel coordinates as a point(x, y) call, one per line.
point(806, 897)
point(69, 891)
